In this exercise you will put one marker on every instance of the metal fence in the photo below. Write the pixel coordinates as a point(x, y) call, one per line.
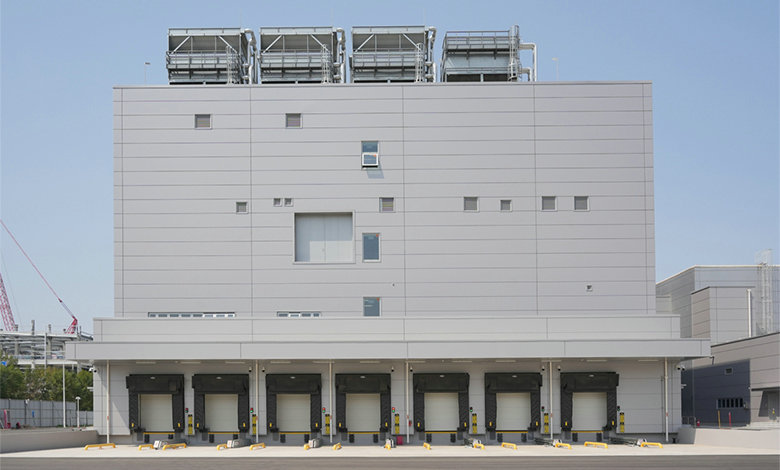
point(41, 414)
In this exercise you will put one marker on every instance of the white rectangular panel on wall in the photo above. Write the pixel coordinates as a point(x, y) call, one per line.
point(222, 412)
point(324, 238)
point(363, 412)
point(589, 411)
point(513, 411)
point(441, 411)
point(293, 413)
point(156, 412)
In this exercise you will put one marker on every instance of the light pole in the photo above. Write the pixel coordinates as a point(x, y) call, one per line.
point(146, 65)
point(557, 77)
point(78, 423)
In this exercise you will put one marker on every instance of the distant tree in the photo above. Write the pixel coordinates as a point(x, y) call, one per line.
point(35, 384)
point(81, 385)
point(11, 378)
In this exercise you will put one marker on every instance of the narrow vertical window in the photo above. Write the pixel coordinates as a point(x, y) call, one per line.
point(371, 307)
point(506, 205)
point(293, 120)
point(241, 207)
point(370, 247)
point(581, 203)
point(203, 121)
point(386, 204)
point(549, 203)
point(470, 204)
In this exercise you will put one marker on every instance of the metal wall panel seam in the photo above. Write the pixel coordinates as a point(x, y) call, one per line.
point(536, 212)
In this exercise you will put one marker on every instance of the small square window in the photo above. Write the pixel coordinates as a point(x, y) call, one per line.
point(277, 202)
point(370, 247)
point(241, 207)
point(371, 306)
point(369, 154)
point(386, 204)
point(293, 120)
point(203, 121)
point(728, 371)
point(549, 203)
point(506, 205)
point(581, 203)
point(470, 204)
point(288, 202)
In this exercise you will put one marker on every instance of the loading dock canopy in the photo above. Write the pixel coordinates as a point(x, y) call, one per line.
point(573, 382)
point(446, 382)
point(229, 384)
point(278, 384)
point(150, 384)
point(512, 382)
point(362, 383)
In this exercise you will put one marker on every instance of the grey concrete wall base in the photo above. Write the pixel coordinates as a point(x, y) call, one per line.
point(12, 440)
point(768, 439)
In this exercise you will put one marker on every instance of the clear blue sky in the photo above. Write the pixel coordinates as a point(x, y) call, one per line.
point(714, 67)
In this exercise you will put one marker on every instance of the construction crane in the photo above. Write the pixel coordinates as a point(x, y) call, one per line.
point(8, 317)
point(9, 320)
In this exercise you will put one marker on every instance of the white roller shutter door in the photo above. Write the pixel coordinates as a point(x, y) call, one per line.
point(222, 412)
point(589, 411)
point(156, 412)
point(441, 411)
point(513, 411)
point(363, 412)
point(293, 413)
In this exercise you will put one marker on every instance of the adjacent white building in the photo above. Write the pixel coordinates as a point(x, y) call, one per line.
point(358, 261)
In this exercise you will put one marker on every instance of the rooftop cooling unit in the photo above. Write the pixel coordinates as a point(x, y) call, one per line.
point(211, 56)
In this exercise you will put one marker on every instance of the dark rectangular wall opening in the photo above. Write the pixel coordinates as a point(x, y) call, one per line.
point(362, 383)
point(512, 382)
point(572, 382)
point(169, 384)
point(310, 384)
point(218, 384)
point(445, 382)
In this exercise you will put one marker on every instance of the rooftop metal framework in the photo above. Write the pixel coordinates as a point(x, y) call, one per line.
point(32, 349)
point(392, 54)
point(485, 56)
point(211, 55)
point(302, 55)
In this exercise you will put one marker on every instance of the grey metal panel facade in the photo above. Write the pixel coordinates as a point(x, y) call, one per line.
point(180, 245)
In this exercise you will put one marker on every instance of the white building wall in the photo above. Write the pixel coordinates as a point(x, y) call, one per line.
point(182, 247)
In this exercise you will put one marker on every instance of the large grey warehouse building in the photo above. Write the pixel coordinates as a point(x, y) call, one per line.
point(417, 252)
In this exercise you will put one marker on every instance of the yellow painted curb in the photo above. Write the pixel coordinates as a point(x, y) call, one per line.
point(180, 445)
point(100, 446)
point(652, 444)
point(603, 445)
